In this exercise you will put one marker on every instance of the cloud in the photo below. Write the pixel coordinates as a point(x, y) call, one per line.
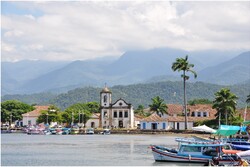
point(64, 30)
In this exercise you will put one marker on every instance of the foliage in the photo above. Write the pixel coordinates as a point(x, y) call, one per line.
point(137, 94)
point(199, 101)
point(225, 104)
point(140, 111)
point(53, 114)
point(182, 64)
point(158, 106)
point(80, 112)
point(12, 110)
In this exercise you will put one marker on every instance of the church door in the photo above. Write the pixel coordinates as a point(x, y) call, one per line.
point(120, 124)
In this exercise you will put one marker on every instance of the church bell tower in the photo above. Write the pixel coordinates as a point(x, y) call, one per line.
point(105, 96)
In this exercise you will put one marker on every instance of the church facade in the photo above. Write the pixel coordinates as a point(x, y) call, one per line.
point(119, 114)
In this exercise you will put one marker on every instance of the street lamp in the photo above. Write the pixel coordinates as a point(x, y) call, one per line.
point(79, 118)
point(72, 119)
point(47, 118)
point(10, 119)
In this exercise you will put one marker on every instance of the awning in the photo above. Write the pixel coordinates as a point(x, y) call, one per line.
point(204, 128)
point(227, 130)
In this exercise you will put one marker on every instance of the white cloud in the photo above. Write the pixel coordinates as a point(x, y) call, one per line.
point(82, 29)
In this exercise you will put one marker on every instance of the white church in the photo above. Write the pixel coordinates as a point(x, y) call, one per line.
point(119, 114)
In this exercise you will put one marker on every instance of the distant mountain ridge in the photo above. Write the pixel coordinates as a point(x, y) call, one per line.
point(136, 94)
point(132, 67)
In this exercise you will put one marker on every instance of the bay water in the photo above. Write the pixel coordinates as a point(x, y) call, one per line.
point(82, 150)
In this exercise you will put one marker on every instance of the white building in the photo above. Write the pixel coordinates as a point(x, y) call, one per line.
point(119, 114)
point(31, 117)
point(93, 122)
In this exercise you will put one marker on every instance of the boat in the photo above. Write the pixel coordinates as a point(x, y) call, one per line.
point(75, 130)
point(195, 153)
point(105, 132)
point(243, 147)
point(90, 131)
point(244, 155)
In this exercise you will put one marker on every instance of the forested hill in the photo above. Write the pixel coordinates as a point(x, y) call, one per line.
point(171, 92)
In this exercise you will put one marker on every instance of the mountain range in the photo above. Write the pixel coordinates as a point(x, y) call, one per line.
point(218, 67)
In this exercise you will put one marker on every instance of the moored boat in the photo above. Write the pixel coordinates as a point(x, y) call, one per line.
point(199, 153)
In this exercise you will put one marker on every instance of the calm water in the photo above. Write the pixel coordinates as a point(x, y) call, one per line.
point(81, 150)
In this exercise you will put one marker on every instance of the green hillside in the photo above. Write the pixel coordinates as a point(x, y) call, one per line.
point(171, 92)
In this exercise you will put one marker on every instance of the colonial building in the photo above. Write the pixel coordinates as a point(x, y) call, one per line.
point(119, 114)
point(175, 118)
point(31, 117)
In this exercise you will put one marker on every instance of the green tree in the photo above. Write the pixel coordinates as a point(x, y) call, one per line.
point(79, 113)
point(140, 111)
point(158, 106)
point(225, 104)
point(182, 64)
point(199, 101)
point(53, 114)
point(12, 110)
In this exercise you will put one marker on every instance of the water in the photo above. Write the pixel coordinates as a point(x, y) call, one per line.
point(81, 150)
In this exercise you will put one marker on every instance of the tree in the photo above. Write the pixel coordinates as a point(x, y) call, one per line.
point(225, 104)
point(199, 101)
point(12, 110)
point(158, 106)
point(79, 112)
point(140, 111)
point(53, 114)
point(182, 64)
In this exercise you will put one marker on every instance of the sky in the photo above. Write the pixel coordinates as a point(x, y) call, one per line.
point(80, 30)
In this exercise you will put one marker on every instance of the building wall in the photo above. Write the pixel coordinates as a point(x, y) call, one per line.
point(94, 121)
point(29, 121)
point(180, 125)
point(149, 125)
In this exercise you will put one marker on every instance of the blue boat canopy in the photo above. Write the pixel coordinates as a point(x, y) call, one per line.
point(227, 130)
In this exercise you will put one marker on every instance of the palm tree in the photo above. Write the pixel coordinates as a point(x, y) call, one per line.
point(225, 104)
point(182, 64)
point(158, 106)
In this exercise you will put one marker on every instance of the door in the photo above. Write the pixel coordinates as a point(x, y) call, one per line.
point(92, 124)
point(163, 125)
point(120, 124)
point(144, 125)
point(154, 126)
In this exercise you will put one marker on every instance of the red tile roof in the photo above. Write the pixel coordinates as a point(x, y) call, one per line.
point(242, 111)
point(36, 112)
point(154, 118)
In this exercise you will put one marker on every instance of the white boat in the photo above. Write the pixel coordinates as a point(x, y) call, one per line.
point(105, 132)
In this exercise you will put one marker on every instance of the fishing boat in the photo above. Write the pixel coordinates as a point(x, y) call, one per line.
point(194, 152)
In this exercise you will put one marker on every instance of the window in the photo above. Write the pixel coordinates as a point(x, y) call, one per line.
point(105, 98)
point(204, 114)
point(115, 114)
point(120, 114)
point(105, 114)
point(193, 114)
point(198, 114)
point(126, 114)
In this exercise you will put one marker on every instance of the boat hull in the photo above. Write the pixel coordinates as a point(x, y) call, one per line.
point(161, 155)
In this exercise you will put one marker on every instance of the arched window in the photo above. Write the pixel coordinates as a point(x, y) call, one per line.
point(105, 98)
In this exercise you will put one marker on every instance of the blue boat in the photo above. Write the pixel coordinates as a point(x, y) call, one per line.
point(199, 153)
